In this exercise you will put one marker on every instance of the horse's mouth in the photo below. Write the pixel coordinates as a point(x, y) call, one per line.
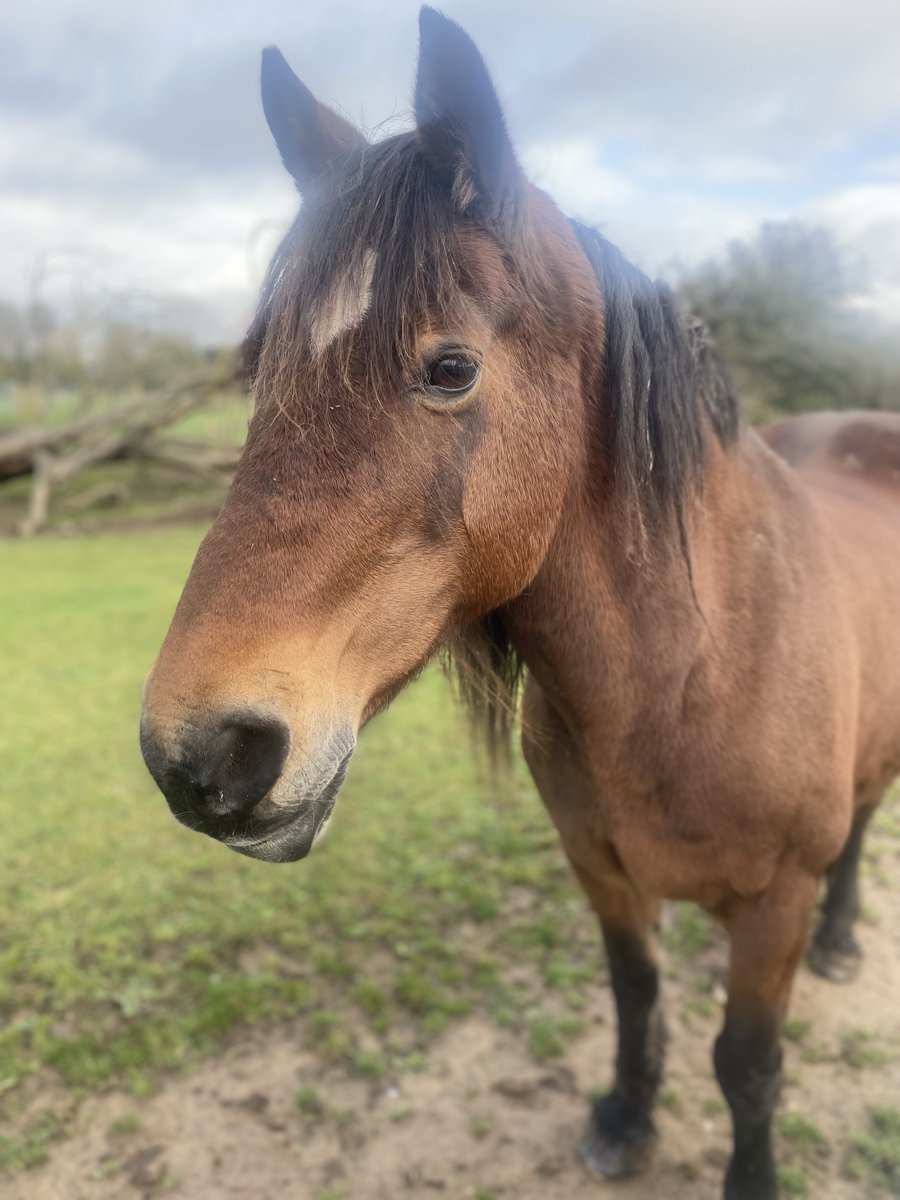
point(294, 837)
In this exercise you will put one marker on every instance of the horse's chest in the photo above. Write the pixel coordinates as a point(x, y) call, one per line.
point(694, 834)
point(683, 814)
point(702, 866)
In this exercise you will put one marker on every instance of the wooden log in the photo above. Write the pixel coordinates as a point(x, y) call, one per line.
point(53, 456)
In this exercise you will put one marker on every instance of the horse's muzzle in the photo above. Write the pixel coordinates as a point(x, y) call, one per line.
point(234, 780)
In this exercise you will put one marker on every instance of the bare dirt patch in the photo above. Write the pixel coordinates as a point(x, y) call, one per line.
point(478, 1117)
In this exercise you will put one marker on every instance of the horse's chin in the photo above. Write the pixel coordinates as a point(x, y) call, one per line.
point(289, 843)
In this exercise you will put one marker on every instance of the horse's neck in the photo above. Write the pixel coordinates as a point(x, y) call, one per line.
point(605, 630)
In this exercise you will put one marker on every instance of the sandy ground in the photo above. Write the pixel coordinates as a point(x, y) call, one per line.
point(481, 1119)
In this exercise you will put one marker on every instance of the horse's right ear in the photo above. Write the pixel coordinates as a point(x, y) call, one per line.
point(309, 136)
point(461, 125)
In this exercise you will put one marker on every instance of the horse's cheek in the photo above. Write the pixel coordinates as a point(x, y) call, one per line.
point(512, 501)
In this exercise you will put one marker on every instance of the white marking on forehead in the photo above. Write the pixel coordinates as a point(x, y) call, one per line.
point(347, 304)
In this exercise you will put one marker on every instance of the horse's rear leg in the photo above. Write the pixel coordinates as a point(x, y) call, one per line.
point(621, 1134)
point(768, 938)
point(834, 952)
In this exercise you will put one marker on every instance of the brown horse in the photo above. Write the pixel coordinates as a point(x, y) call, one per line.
point(478, 426)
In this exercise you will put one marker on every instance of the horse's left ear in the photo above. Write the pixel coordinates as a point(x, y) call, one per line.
point(461, 125)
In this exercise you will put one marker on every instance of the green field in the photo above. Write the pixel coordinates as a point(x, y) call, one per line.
point(130, 944)
point(130, 947)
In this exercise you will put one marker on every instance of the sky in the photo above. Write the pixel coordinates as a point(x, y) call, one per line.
point(137, 172)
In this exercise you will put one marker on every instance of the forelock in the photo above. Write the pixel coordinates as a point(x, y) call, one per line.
point(374, 253)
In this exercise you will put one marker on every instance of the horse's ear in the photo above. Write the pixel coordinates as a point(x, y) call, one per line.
point(308, 135)
point(461, 125)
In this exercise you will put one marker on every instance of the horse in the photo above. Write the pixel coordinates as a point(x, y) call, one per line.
point(478, 427)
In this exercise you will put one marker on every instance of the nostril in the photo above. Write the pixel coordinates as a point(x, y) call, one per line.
point(222, 772)
point(246, 758)
point(210, 800)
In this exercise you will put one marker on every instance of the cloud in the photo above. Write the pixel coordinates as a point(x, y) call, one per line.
point(137, 134)
point(796, 77)
point(865, 221)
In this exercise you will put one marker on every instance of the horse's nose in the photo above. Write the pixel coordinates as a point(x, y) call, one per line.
point(221, 772)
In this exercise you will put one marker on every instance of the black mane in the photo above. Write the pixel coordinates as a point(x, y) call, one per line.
point(661, 380)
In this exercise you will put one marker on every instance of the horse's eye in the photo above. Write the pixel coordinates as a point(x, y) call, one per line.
point(451, 375)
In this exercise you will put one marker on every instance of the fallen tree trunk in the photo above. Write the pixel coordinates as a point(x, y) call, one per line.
point(52, 456)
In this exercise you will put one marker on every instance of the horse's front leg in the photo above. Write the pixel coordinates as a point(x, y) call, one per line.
point(768, 939)
point(621, 1134)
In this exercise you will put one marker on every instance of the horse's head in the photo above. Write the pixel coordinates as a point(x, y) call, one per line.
point(422, 343)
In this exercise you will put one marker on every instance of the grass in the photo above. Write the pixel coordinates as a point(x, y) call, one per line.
point(688, 933)
point(795, 1030)
point(862, 1049)
point(124, 1126)
point(672, 1100)
point(801, 1136)
point(309, 1102)
point(479, 1126)
point(18, 1154)
point(874, 1156)
point(125, 938)
point(793, 1181)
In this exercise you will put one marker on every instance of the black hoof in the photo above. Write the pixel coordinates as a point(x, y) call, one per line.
point(837, 960)
point(617, 1142)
